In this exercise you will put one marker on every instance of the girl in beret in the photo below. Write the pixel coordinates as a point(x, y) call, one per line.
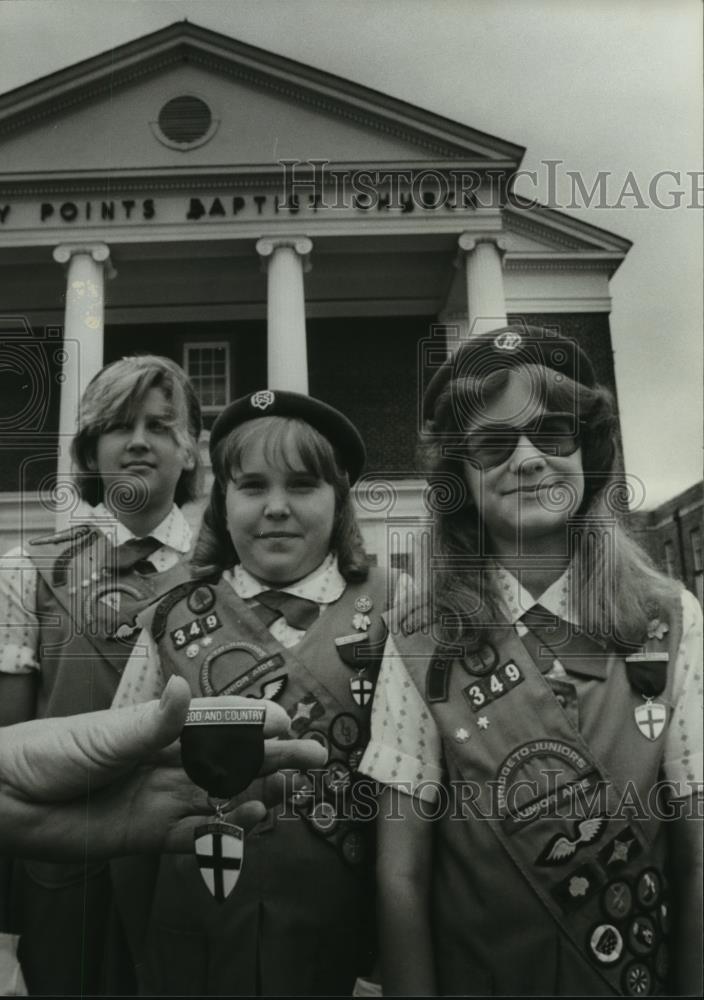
point(284, 606)
point(537, 719)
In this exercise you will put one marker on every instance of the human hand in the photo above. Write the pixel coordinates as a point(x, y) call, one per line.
point(108, 783)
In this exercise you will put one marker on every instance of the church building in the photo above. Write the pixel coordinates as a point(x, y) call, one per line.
point(264, 224)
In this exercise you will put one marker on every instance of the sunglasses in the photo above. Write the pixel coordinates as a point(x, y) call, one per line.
point(552, 433)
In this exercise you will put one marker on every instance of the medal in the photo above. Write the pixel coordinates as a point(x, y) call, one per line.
point(650, 718)
point(222, 750)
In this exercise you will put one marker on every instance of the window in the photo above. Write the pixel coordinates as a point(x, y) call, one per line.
point(185, 122)
point(208, 367)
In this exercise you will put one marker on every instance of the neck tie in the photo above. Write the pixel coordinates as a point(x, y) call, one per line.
point(299, 612)
point(548, 637)
point(134, 555)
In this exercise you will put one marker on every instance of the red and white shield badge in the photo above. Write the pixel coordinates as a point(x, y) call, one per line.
point(651, 718)
point(219, 850)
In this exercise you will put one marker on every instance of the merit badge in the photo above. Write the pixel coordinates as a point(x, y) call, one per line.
point(577, 888)
point(337, 778)
point(606, 944)
point(222, 750)
point(362, 690)
point(649, 888)
point(354, 759)
point(219, 850)
point(361, 622)
point(650, 718)
point(192, 650)
point(305, 711)
point(617, 900)
point(363, 604)
point(461, 735)
point(323, 818)
point(201, 600)
point(619, 851)
point(483, 661)
point(664, 914)
point(345, 731)
point(560, 849)
point(641, 935)
point(273, 688)
point(637, 980)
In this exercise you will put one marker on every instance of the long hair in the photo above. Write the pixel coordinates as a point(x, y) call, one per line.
point(617, 589)
point(114, 395)
point(292, 444)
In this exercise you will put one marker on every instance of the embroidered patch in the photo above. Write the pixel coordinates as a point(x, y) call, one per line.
point(263, 664)
point(574, 890)
point(619, 851)
point(201, 600)
point(642, 935)
point(497, 684)
point(345, 731)
point(304, 712)
point(273, 688)
point(194, 629)
point(561, 848)
point(606, 944)
point(617, 900)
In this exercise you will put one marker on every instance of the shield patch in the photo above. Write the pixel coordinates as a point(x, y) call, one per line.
point(219, 851)
point(362, 690)
point(651, 718)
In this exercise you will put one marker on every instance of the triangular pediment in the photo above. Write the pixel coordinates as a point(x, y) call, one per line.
point(102, 115)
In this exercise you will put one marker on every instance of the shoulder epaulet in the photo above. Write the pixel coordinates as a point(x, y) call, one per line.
point(68, 535)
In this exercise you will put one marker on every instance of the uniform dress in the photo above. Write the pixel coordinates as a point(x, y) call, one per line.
point(300, 919)
point(67, 614)
point(532, 895)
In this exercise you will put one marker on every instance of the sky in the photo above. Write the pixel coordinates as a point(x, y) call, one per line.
point(612, 87)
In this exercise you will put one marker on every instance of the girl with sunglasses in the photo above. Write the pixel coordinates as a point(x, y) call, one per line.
point(536, 724)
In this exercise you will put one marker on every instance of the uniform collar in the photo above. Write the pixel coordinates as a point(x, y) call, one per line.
point(173, 532)
point(517, 600)
point(324, 585)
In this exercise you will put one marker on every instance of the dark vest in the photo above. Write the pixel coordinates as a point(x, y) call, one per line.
point(544, 880)
point(64, 910)
point(84, 643)
point(299, 920)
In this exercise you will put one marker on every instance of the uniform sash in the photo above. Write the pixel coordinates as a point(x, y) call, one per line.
point(579, 831)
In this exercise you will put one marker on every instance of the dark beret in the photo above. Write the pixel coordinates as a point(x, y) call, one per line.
point(510, 347)
point(333, 425)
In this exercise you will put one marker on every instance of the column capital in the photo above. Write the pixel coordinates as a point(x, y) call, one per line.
point(470, 241)
point(99, 252)
point(303, 246)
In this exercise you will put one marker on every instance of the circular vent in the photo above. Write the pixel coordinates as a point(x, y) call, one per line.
point(185, 120)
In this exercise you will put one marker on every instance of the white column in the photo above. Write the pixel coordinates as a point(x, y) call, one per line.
point(88, 266)
point(486, 302)
point(287, 355)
